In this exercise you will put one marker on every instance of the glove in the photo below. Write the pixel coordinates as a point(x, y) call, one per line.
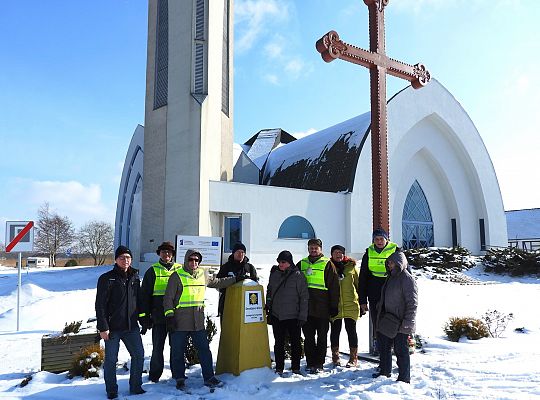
point(169, 323)
point(333, 311)
point(301, 323)
point(144, 330)
point(146, 323)
point(241, 277)
point(363, 309)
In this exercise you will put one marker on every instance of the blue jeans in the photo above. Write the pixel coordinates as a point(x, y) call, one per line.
point(179, 341)
point(159, 334)
point(132, 341)
point(401, 348)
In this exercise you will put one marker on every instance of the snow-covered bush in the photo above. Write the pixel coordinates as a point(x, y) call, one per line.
point(472, 328)
point(88, 362)
point(72, 327)
point(288, 347)
point(513, 261)
point(192, 357)
point(440, 259)
point(496, 322)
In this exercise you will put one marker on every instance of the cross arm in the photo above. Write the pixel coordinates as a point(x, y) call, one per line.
point(331, 47)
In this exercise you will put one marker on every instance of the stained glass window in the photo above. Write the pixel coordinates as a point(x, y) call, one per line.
point(417, 222)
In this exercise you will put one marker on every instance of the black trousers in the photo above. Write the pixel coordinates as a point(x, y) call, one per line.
point(315, 348)
point(159, 334)
point(350, 327)
point(281, 329)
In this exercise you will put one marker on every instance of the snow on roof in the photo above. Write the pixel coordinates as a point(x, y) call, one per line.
point(324, 161)
point(523, 224)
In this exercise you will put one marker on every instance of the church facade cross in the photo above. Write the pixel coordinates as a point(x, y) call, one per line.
point(331, 47)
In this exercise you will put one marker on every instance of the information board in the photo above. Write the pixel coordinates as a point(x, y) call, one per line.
point(210, 248)
point(253, 307)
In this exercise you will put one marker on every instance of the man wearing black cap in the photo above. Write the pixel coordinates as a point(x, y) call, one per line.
point(151, 316)
point(237, 266)
point(373, 272)
point(116, 312)
point(323, 288)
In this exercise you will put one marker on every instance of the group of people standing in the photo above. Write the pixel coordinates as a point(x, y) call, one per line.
point(314, 296)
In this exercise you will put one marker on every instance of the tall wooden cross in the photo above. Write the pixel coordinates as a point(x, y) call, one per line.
point(331, 47)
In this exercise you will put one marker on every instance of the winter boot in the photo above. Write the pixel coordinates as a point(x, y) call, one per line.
point(335, 356)
point(353, 358)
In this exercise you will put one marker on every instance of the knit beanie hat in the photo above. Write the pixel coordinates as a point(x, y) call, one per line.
point(379, 232)
point(285, 256)
point(122, 250)
point(239, 246)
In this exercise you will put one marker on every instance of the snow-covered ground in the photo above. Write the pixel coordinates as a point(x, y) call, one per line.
point(503, 368)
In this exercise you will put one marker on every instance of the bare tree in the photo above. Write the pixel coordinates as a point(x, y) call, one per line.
point(53, 232)
point(97, 239)
point(2, 246)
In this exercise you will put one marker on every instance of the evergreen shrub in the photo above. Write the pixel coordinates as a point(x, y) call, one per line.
point(72, 327)
point(192, 357)
point(512, 261)
point(472, 328)
point(88, 362)
point(71, 263)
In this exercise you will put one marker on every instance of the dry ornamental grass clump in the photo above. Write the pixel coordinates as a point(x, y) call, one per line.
point(88, 362)
point(472, 328)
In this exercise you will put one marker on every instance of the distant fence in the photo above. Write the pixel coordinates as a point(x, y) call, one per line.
point(525, 244)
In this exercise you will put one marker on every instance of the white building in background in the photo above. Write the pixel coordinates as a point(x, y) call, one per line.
point(177, 174)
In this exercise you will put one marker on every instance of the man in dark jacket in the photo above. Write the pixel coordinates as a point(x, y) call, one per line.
point(152, 313)
point(238, 266)
point(323, 288)
point(373, 273)
point(116, 313)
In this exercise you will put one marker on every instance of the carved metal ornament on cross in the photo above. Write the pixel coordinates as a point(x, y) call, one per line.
point(379, 64)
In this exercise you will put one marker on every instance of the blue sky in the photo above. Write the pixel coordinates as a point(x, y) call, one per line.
point(72, 86)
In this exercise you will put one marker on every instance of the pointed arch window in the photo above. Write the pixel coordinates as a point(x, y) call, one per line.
point(417, 222)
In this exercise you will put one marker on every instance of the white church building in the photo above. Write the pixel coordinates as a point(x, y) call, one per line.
point(275, 192)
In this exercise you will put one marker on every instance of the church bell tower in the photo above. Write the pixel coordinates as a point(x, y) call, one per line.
point(188, 116)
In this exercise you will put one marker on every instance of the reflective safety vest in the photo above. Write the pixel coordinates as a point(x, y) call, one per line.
point(314, 272)
point(193, 289)
point(376, 261)
point(162, 277)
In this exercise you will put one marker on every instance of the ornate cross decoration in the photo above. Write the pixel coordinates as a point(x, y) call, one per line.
point(331, 47)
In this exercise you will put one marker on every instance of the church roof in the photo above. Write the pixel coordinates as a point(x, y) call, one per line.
point(523, 224)
point(263, 142)
point(324, 161)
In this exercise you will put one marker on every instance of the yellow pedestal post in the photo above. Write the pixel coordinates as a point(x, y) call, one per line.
point(243, 343)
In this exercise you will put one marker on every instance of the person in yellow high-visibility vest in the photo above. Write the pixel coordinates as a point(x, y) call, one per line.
point(183, 303)
point(323, 288)
point(151, 316)
point(373, 272)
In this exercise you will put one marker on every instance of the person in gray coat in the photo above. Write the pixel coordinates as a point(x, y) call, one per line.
point(399, 299)
point(287, 307)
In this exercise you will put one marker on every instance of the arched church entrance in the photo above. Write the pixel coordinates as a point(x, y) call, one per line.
point(416, 221)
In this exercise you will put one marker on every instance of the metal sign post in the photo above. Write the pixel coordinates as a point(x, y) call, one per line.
point(20, 236)
point(19, 280)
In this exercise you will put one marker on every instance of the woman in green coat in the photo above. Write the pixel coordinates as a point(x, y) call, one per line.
point(349, 306)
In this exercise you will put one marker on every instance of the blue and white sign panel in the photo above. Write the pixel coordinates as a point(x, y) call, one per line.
point(210, 248)
point(13, 228)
